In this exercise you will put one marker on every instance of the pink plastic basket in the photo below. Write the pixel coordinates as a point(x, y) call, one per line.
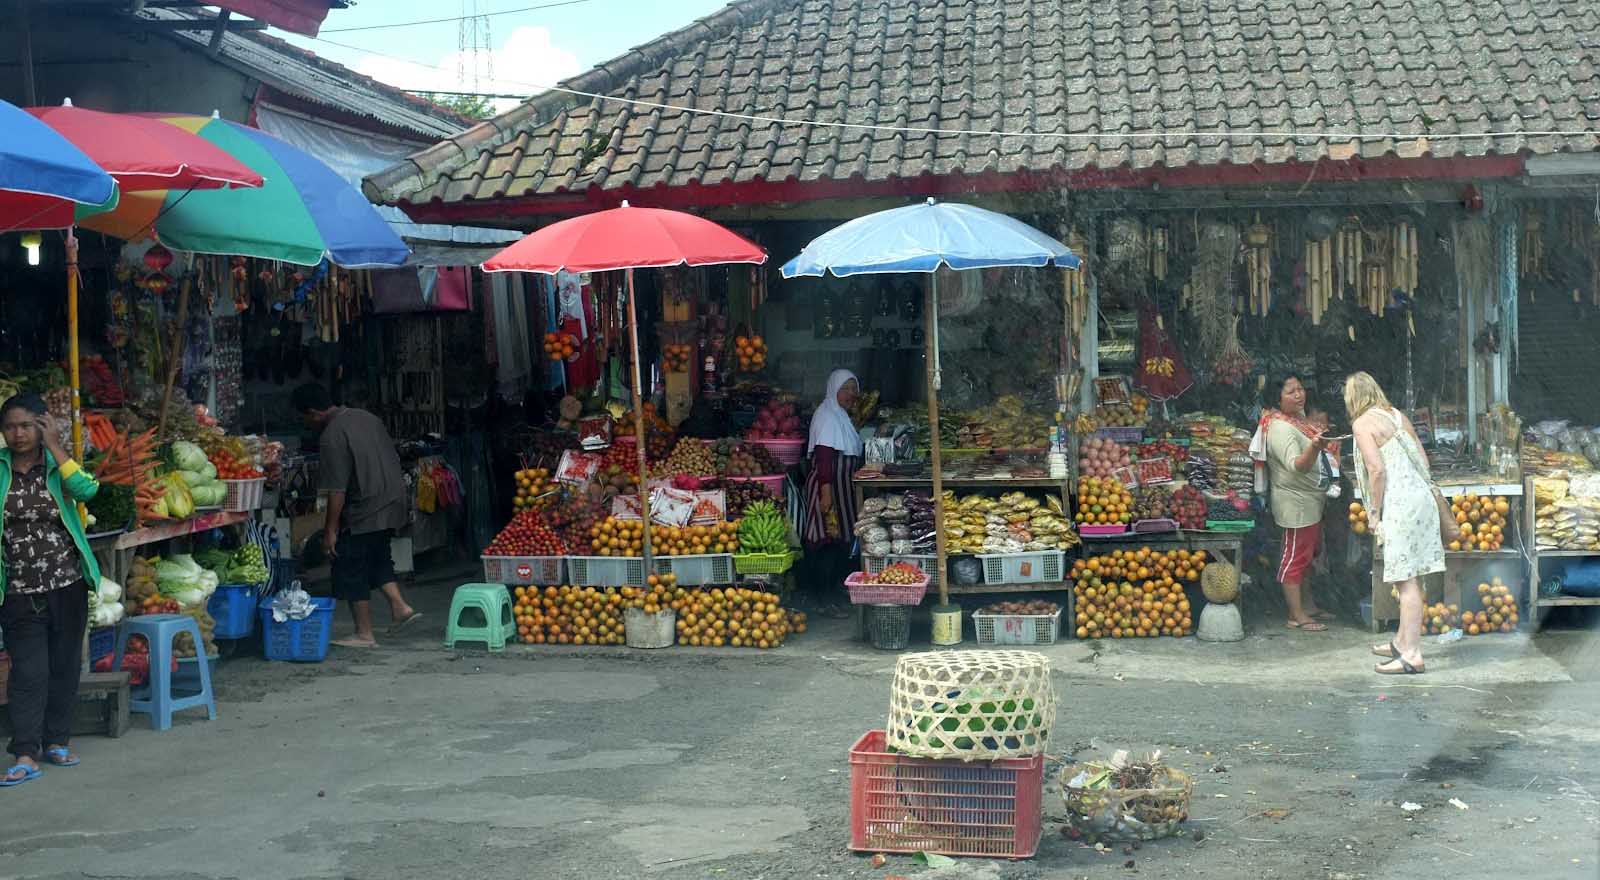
point(956, 808)
point(786, 451)
point(772, 484)
point(884, 594)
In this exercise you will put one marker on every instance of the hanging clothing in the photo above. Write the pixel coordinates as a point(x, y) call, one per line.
point(1408, 523)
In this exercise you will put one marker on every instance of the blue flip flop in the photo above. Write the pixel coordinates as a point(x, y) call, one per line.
point(9, 779)
point(62, 757)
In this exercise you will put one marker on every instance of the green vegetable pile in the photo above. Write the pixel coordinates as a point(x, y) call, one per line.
point(111, 507)
point(248, 566)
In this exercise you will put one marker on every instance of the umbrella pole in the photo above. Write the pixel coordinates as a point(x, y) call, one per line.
point(934, 446)
point(174, 358)
point(638, 428)
point(73, 370)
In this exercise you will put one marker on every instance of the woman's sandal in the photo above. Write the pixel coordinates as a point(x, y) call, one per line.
point(1310, 626)
point(1389, 653)
point(1405, 668)
point(11, 778)
point(62, 757)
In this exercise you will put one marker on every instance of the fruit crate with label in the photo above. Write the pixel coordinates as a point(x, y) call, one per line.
point(524, 571)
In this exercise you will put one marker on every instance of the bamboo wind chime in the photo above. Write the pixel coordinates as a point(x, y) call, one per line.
point(1258, 263)
point(1075, 285)
point(1158, 252)
point(1320, 283)
point(1349, 248)
point(1532, 249)
point(1403, 258)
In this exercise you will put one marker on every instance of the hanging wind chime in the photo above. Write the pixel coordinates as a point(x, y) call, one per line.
point(1075, 285)
point(1532, 250)
point(1258, 263)
point(1403, 258)
point(1319, 277)
point(1158, 253)
point(1348, 254)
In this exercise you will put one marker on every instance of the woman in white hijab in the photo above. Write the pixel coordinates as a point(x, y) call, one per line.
point(835, 452)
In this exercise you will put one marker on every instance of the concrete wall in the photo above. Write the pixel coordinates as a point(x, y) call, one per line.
point(107, 64)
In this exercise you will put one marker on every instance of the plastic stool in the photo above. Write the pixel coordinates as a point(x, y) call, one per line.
point(493, 601)
point(159, 631)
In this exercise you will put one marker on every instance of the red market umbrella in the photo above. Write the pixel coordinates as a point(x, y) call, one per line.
point(145, 153)
point(628, 238)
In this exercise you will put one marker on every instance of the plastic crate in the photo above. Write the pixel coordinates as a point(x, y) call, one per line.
point(244, 495)
point(884, 594)
point(1230, 525)
point(1152, 526)
point(1033, 567)
point(697, 571)
point(1105, 531)
point(102, 641)
point(901, 804)
point(889, 626)
point(1017, 629)
point(1120, 435)
point(304, 641)
point(606, 571)
point(785, 451)
point(928, 564)
point(233, 607)
point(763, 563)
point(523, 571)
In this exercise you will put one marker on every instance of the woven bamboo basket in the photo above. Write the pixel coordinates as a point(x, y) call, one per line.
point(1115, 814)
point(971, 705)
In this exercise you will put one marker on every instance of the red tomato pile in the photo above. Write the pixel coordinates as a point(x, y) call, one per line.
point(526, 535)
point(1164, 448)
point(231, 468)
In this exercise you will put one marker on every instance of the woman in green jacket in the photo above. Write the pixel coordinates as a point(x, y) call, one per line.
point(46, 572)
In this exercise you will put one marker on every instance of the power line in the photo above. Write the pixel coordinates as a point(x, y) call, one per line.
point(453, 18)
point(1336, 135)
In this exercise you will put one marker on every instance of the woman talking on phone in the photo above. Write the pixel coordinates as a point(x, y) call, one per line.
point(46, 572)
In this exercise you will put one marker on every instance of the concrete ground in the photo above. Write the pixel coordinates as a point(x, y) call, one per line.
point(411, 761)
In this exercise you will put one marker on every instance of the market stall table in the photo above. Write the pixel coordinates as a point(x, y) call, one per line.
point(1386, 610)
point(1537, 603)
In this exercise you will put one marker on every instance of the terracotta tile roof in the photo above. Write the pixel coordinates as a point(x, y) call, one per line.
point(1423, 68)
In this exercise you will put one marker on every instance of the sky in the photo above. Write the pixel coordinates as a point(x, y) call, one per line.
point(527, 49)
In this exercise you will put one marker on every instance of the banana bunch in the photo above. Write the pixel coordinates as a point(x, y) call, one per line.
point(763, 529)
point(1084, 425)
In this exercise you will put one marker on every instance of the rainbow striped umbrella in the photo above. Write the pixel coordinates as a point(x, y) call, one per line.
point(303, 213)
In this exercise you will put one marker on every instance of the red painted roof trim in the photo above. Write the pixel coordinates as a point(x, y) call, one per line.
point(756, 192)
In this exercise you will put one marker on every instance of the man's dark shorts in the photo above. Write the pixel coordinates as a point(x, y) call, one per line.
point(363, 564)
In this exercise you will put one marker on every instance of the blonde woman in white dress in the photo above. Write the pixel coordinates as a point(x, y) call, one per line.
point(1392, 470)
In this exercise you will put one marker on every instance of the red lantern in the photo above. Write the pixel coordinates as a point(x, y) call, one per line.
point(239, 271)
point(157, 258)
point(157, 282)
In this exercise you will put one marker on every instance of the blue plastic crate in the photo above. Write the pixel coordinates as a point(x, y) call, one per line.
point(304, 641)
point(102, 641)
point(233, 607)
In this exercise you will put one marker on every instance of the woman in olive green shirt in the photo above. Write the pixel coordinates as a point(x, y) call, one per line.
point(1297, 496)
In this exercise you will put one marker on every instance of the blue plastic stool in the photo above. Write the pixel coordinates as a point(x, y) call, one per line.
point(493, 602)
point(160, 630)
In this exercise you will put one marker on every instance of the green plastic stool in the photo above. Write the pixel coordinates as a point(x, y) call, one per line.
point(489, 602)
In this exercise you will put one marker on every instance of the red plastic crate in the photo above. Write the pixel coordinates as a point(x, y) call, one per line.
point(956, 808)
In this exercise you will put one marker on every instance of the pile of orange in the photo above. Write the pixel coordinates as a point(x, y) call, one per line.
point(1103, 501)
point(560, 346)
point(1358, 518)
point(733, 617)
point(1482, 519)
point(676, 357)
point(1135, 594)
point(654, 597)
point(751, 351)
point(1440, 618)
point(617, 537)
point(1499, 612)
point(695, 540)
point(568, 615)
point(532, 486)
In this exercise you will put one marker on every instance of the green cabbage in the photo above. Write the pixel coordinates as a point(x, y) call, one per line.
point(179, 503)
point(192, 478)
point(188, 456)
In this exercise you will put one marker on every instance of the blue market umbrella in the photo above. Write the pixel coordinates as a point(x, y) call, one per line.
point(922, 238)
point(44, 179)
